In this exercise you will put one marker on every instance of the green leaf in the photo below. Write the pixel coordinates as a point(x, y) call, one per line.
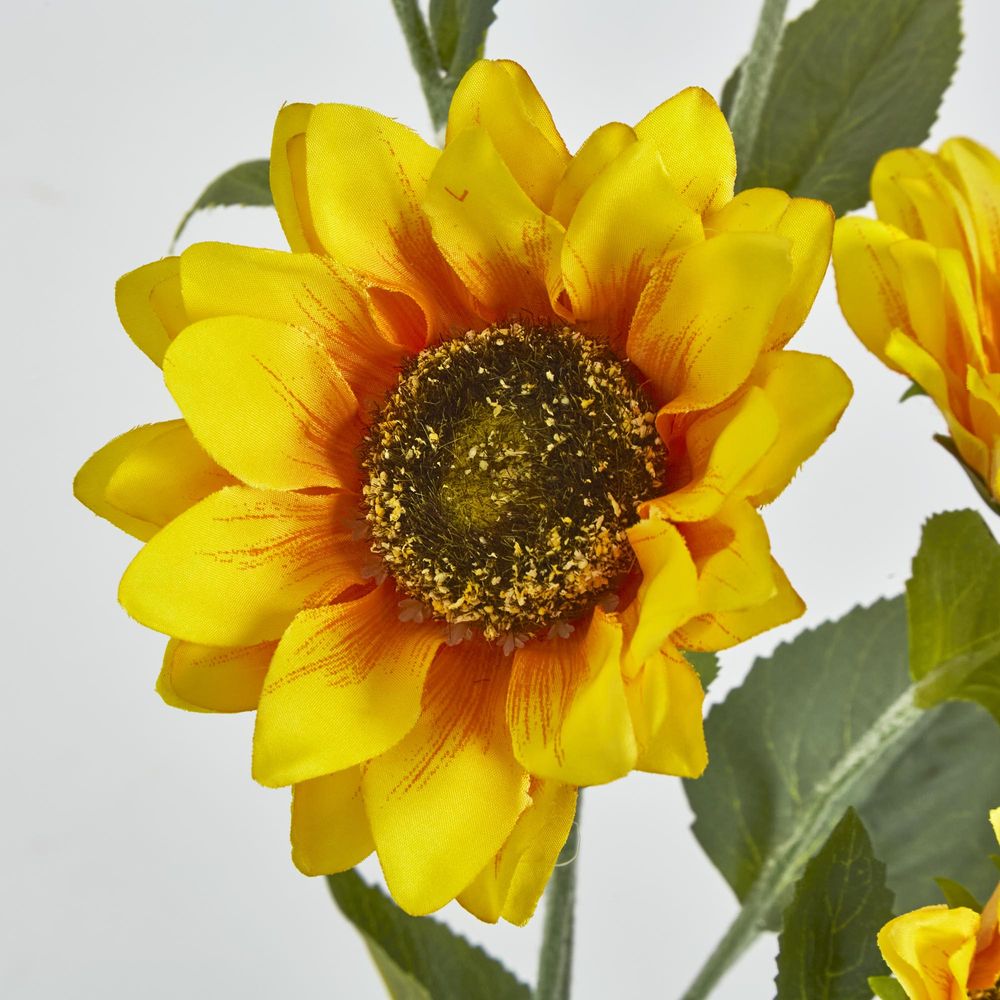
point(729, 91)
point(886, 988)
point(827, 946)
point(244, 184)
point(459, 29)
point(706, 666)
point(445, 22)
point(914, 390)
point(955, 894)
point(420, 958)
point(977, 480)
point(954, 607)
point(853, 79)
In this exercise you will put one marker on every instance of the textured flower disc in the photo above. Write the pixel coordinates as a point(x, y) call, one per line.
point(503, 472)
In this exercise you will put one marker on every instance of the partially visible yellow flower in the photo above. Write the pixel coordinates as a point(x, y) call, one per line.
point(938, 953)
point(921, 286)
point(460, 476)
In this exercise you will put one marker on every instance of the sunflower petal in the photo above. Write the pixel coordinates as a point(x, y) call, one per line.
point(266, 401)
point(344, 686)
point(213, 679)
point(512, 883)
point(238, 566)
point(330, 831)
point(444, 800)
point(693, 137)
point(567, 711)
point(150, 306)
point(289, 189)
point(705, 315)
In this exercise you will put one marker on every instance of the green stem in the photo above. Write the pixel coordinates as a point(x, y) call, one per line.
point(866, 759)
point(755, 79)
point(425, 60)
point(555, 963)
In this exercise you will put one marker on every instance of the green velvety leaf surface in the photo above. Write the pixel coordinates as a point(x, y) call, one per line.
point(706, 666)
point(459, 29)
point(827, 948)
point(955, 894)
point(418, 957)
point(853, 79)
point(954, 607)
point(886, 988)
point(245, 184)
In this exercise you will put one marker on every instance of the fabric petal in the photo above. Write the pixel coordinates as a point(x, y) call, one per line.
point(705, 315)
point(566, 709)
point(267, 402)
point(665, 701)
point(288, 178)
point(330, 830)
point(808, 393)
point(614, 239)
point(512, 883)
point(306, 291)
point(443, 801)
point(498, 96)
point(806, 224)
point(238, 566)
point(344, 685)
point(501, 245)
point(712, 632)
point(212, 678)
point(693, 137)
point(150, 306)
point(977, 172)
point(599, 149)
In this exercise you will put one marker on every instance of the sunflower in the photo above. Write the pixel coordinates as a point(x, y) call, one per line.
point(920, 287)
point(460, 476)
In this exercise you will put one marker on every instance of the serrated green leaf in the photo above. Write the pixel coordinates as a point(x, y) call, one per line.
point(706, 666)
point(420, 958)
point(977, 480)
point(913, 391)
point(245, 184)
point(827, 948)
point(853, 79)
point(886, 988)
point(953, 598)
point(955, 894)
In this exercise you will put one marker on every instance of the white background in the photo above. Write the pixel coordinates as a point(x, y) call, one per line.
point(138, 858)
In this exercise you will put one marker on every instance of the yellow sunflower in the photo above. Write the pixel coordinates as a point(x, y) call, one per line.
point(920, 287)
point(459, 477)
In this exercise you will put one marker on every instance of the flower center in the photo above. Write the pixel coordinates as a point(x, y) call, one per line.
point(502, 472)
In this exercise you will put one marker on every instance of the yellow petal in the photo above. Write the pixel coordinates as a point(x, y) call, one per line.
point(498, 95)
point(164, 475)
point(288, 178)
point(668, 592)
point(308, 292)
point(808, 227)
point(978, 175)
point(443, 800)
point(567, 711)
point(722, 447)
point(238, 566)
point(808, 393)
point(496, 239)
point(150, 306)
point(615, 239)
point(513, 881)
point(91, 482)
point(704, 317)
point(923, 290)
point(599, 149)
point(930, 951)
point(665, 700)
point(697, 147)
point(869, 285)
point(213, 678)
point(330, 831)
point(366, 178)
point(712, 632)
point(265, 400)
point(344, 685)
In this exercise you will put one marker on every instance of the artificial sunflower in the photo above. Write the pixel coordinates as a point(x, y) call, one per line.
point(942, 953)
point(920, 287)
point(460, 476)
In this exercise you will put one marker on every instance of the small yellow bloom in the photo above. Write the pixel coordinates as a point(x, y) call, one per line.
point(921, 286)
point(460, 476)
point(938, 953)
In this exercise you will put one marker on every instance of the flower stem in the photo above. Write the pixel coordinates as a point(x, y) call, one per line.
point(425, 60)
point(555, 962)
